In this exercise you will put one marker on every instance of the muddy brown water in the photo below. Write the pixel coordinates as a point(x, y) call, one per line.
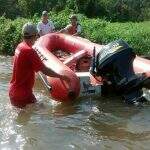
point(100, 123)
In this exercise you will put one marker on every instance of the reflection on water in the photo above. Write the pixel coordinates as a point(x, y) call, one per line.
point(89, 123)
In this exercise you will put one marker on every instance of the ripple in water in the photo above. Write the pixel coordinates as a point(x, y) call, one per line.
point(89, 123)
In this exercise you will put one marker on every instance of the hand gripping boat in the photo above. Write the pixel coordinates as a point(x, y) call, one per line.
point(115, 63)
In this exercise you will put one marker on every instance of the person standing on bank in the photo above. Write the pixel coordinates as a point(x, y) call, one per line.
point(74, 28)
point(45, 26)
point(26, 63)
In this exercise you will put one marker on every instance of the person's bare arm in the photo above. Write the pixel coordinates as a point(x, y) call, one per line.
point(39, 29)
point(47, 71)
point(76, 34)
point(62, 31)
point(40, 33)
point(65, 30)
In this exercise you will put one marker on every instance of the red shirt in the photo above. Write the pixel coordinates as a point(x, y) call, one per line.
point(26, 63)
point(72, 29)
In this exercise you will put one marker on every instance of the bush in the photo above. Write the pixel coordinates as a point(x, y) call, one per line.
point(96, 30)
point(10, 34)
point(136, 34)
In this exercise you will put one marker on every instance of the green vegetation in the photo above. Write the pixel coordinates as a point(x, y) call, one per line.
point(10, 34)
point(102, 20)
point(114, 10)
point(96, 30)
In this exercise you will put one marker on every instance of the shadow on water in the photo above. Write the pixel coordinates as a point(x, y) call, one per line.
point(44, 109)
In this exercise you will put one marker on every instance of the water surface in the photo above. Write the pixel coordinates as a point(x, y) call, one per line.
point(88, 124)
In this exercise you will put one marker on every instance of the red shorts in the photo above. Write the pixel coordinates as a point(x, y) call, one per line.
point(22, 102)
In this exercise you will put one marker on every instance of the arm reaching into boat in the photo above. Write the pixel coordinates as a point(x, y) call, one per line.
point(26, 63)
point(47, 71)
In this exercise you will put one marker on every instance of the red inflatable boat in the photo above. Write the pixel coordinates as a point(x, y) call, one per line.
point(72, 56)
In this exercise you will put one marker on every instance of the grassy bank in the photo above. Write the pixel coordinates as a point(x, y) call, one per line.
point(97, 30)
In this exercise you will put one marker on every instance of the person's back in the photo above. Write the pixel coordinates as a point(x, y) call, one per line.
point(26, 63)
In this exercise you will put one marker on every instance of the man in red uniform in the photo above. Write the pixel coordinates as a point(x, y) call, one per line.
point(26, 63)
point(74, 28)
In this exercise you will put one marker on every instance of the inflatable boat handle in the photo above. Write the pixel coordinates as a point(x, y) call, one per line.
point(43, 78)
point(75, 57)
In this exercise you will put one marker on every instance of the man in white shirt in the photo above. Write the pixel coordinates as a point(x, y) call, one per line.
point(45, 26)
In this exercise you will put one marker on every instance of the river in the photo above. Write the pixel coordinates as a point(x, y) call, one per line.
point(100, 123)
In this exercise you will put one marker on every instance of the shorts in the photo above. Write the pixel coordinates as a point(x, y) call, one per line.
point(22, 102)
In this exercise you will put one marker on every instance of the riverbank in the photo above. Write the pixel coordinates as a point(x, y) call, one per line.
point(96, 30)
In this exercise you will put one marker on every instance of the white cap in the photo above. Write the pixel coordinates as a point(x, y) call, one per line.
point(29, 29)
